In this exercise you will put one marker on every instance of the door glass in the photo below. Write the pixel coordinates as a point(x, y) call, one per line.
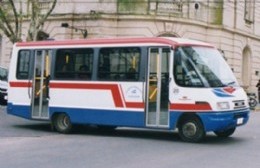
point(40, 99)
point(158, 87)
point(153, 86)
point(164, 96)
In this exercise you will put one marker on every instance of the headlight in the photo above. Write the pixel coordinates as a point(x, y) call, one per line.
point(223, 105)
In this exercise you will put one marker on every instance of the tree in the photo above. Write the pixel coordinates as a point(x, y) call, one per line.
point(8, 24)
point(38, 18)
point(12, 17)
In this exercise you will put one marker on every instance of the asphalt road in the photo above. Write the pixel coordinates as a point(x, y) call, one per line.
point(32, 144)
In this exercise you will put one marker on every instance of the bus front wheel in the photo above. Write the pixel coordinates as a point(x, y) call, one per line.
point(191, 129)
point(62, 123)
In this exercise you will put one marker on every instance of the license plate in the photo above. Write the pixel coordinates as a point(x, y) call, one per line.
point(240, 121)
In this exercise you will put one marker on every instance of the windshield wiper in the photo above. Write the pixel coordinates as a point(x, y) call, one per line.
point(230, 83)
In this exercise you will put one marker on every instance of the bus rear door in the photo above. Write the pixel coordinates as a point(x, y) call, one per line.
point(40, 88)
point(157, 97)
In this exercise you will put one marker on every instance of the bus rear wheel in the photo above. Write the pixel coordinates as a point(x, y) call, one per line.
point(191, 129)
point(62, 123)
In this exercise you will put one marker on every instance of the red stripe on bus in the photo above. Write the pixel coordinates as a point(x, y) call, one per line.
point(134, 104)
point(148, 40)
point(99, 42)
point(183, 106)
point(20, 84)
point(112, 87)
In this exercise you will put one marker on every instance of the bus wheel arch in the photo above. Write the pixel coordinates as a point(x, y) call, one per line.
point(191, 128)
point(225, 133)
point(61, 122)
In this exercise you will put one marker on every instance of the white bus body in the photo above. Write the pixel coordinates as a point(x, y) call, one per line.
point(163, 83)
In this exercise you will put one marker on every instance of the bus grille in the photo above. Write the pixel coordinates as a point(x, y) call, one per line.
point(239, 104)
point(3, 90)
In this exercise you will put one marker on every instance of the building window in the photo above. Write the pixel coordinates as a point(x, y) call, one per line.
point(249, 11)
point(169, 6)
point(246, 65)
point(45, 4)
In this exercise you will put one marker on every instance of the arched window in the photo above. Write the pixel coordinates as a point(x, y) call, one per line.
point(246, 65)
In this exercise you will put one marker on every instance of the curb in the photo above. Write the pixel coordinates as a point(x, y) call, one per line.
point(256, 109)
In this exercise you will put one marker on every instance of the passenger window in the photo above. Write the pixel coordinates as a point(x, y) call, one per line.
point(23, 64)
point(74, 64)
point(119, 64)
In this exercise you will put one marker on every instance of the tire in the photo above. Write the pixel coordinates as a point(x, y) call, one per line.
point(191, 129)
point(62, 123)
point(252, 102)
point(225, 133)
point(3, 102)
point(106, 128)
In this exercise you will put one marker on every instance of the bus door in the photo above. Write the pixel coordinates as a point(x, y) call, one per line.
point(40, 90)
point(157, 87)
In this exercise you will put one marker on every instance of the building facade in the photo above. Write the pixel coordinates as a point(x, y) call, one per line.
point(229, 25)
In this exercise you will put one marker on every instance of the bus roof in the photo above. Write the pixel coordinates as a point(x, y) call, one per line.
point(169, 41)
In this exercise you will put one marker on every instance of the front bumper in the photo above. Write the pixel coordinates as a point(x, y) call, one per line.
point(218, 121)
point(3, 98)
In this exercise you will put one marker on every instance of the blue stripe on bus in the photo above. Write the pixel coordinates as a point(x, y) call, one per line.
point(87, 116)
point(19, 110)
point(102, 117)
point(212, 121)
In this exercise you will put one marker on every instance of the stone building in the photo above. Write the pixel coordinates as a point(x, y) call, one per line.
point(230, 25)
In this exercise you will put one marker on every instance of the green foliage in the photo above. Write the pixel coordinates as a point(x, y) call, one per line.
point(9, 20)
point(219, 13)
point(132, 6)
point(12, 18)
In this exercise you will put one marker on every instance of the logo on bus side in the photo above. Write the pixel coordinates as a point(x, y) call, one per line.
point(133, 92)
point(176, 91)
point(225, 92)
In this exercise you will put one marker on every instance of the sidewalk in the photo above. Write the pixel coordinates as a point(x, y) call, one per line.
point(256, 109)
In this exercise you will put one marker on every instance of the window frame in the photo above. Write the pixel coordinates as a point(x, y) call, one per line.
point(249, 11)
point(75, 73)
point(124, 75)
point(29, 61)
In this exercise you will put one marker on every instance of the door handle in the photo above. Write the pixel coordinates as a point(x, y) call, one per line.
point(47, 83)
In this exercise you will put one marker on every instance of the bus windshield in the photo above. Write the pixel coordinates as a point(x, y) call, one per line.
point(3, 74)
point(201, 67)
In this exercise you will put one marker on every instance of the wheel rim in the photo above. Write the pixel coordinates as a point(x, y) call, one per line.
point(189, 129)
point(63, 122)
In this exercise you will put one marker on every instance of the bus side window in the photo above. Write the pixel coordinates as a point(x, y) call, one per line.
point(119, 64)
point(104, 68)
point(131, 74)
point(74, 64)
point(62, 64)
point(180, 77)
point(23, 64)
point(178, 69)
point(84, 72)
